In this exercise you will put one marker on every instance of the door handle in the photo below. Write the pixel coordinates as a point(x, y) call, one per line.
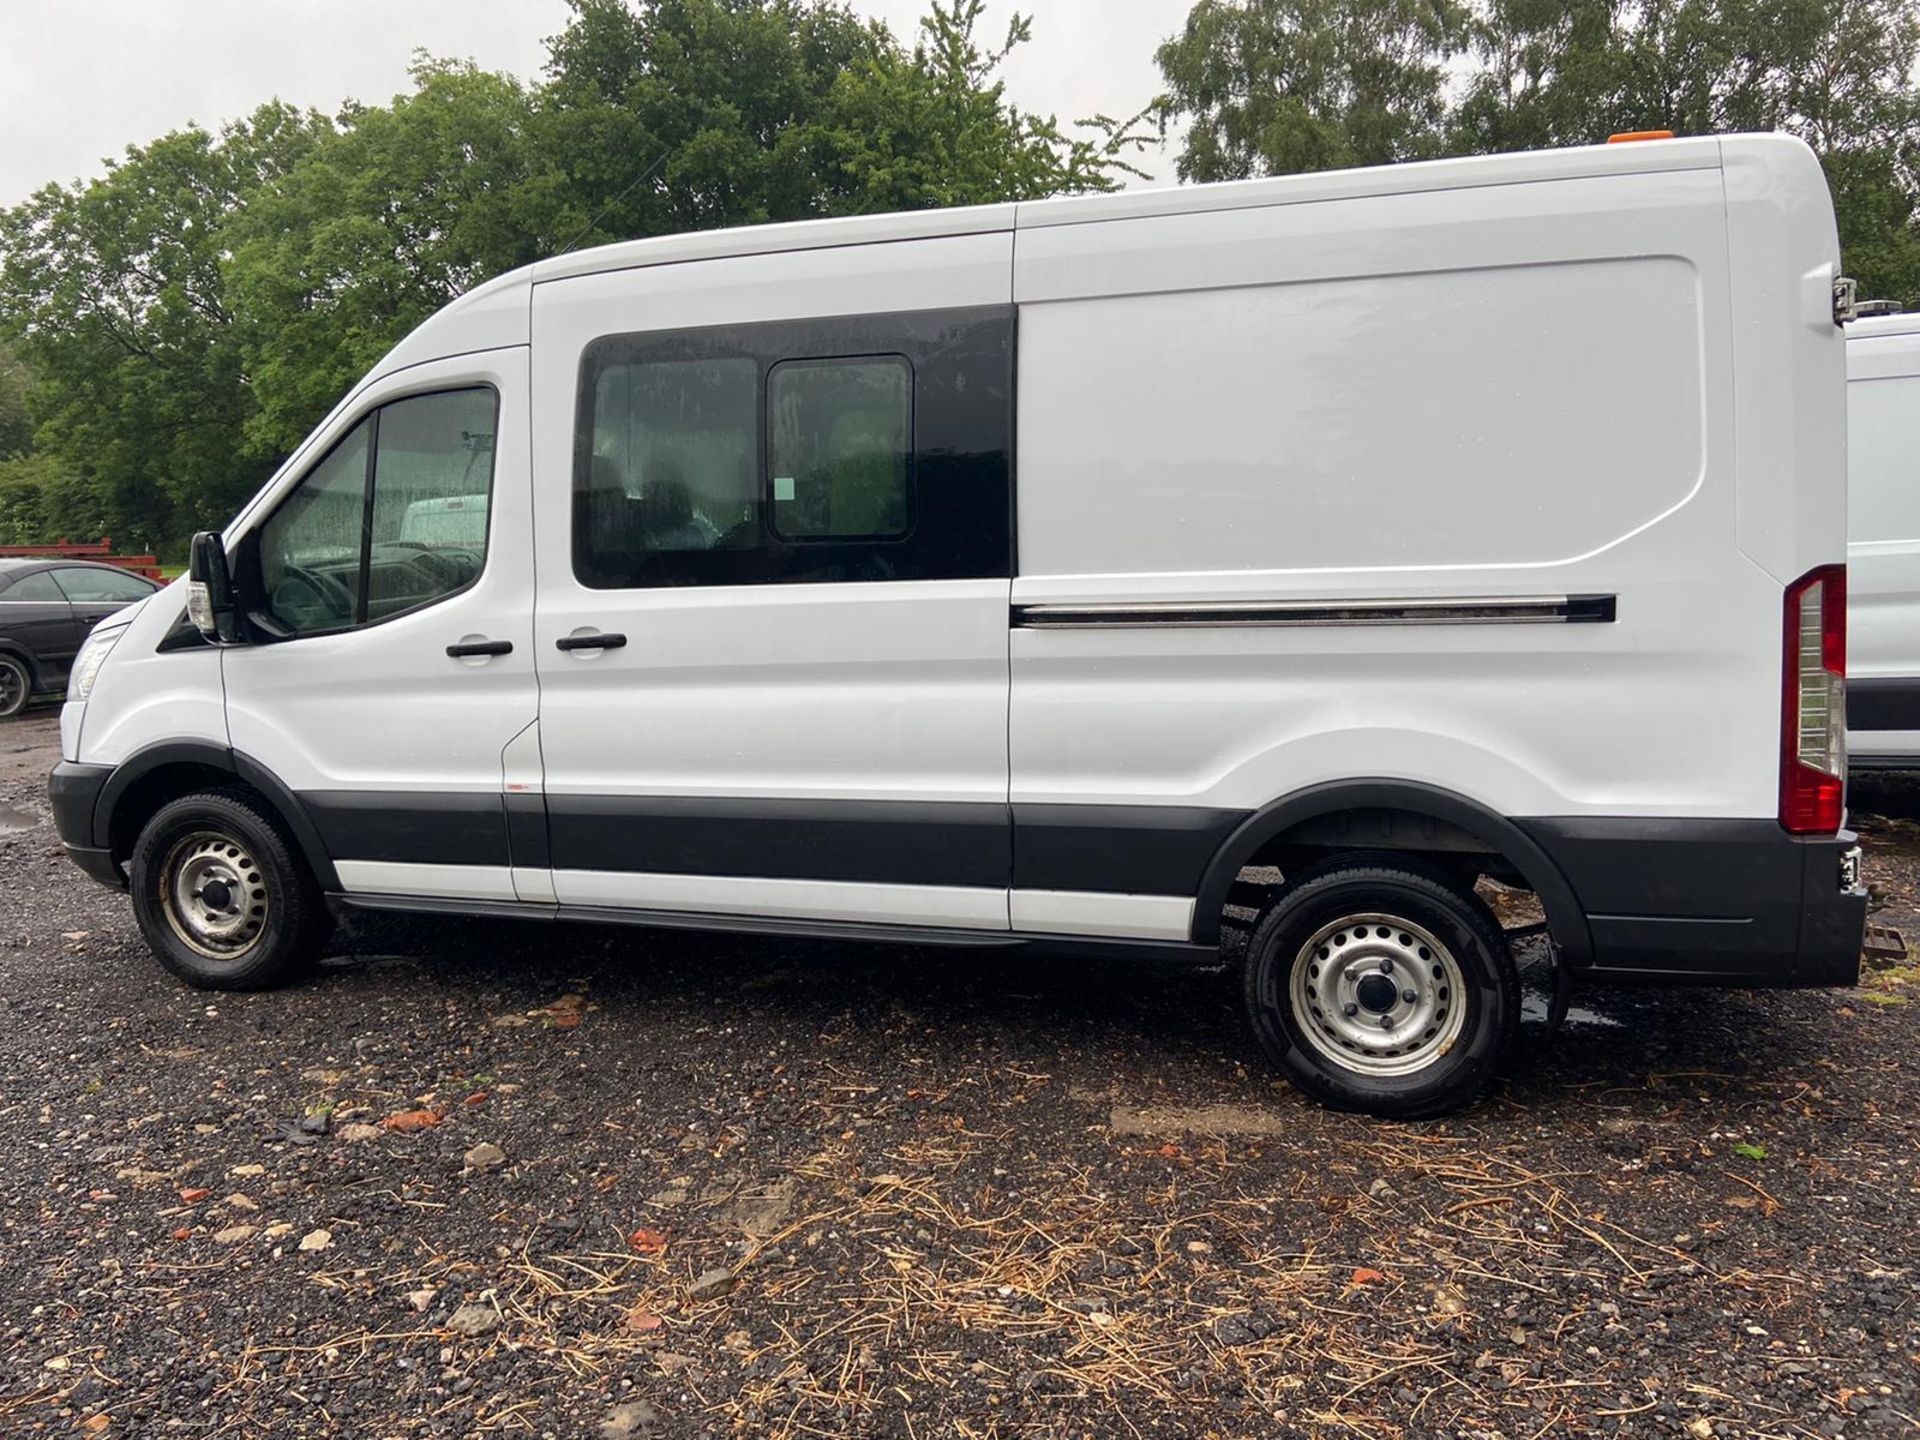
point(608, 641)
point(480, 647)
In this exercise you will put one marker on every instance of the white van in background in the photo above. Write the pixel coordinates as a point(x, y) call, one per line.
point(1883, 542)
point(1040, 575)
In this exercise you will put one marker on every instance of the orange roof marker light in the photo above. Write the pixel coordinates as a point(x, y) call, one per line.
point(1627, 137)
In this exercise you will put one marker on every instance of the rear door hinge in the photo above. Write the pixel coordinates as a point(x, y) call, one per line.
point(1845, 299)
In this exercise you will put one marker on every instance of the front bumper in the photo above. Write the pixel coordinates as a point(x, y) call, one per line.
point(1717, 902)
point(74, 791)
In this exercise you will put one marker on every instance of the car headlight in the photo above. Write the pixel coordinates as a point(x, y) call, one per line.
point(86, 665)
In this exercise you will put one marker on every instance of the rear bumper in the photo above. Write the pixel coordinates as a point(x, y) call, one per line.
point(74, 791)
point(1716, 902)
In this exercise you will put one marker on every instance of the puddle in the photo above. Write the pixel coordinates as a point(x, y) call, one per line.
point(13, 821)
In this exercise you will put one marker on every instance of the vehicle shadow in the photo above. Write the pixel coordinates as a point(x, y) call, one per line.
point(1884, 794)
point(1171, 1029)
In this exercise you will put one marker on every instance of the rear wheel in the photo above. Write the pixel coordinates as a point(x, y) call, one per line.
point(222, 898)
point(1379, 986)
point(15, 686)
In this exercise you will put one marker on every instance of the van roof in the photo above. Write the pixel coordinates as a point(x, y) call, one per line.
point(1646, 157)
point(496, 313)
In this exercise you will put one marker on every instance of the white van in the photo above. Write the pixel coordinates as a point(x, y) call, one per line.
point(1024, 574)
point(1883, 541)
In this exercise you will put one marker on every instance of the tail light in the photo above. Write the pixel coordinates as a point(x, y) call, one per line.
point(1813, 704)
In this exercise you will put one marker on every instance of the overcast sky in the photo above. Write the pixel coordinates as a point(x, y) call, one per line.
point(82, 79)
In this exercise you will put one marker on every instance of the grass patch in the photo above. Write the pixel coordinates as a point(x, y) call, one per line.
point(1890, 986)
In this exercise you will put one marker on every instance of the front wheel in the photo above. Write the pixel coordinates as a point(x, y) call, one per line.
point(222, 898)
point(1379, 986)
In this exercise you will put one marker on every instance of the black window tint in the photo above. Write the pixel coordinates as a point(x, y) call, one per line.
point(101, 587)
point(840, 443)
point(870, 447)
point(395, 517)
point(673, 460)
point(37, 586)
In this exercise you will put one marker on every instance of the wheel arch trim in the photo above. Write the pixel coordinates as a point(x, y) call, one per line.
point(205, 753)
point(1566, 919)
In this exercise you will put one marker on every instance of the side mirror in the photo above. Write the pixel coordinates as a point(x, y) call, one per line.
point(210, 591)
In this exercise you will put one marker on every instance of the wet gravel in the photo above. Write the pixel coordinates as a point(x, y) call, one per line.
point(513, 1179)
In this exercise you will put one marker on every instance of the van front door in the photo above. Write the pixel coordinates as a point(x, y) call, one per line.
point(773, 547)
point(392, 586)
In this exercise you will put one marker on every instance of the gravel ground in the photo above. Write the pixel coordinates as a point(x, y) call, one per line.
point(510, 1179)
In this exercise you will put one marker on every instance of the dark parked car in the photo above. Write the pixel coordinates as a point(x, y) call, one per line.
point(46, 609)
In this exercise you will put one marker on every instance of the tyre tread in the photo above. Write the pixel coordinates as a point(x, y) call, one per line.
point(302, 926)
point(1347, 1090)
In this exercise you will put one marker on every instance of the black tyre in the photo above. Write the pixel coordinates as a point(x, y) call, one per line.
point(223, 899)
point(16, 684)
point(1378, 985)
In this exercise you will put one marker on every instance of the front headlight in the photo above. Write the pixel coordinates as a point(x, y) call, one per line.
point(86, 665)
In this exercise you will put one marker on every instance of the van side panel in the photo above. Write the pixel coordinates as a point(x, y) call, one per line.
point(154, 693)
point(1513, 393)
point(1364, 425)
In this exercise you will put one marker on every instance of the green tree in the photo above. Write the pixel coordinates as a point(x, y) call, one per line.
point(188, 316)
point(656, 118)
point(1277, 86)
point(1847, 81)
point(905, 131)
point(1283, 85)
point(16, 424)
point(42, 501)
point(387, 216)
point(113, 292)
point(1542, 73)
point(1840, 74)
point(675, 115)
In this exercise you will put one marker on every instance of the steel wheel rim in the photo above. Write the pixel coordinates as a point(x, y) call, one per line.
point(1377, 995)
point(13, 687)
point(214, 895)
